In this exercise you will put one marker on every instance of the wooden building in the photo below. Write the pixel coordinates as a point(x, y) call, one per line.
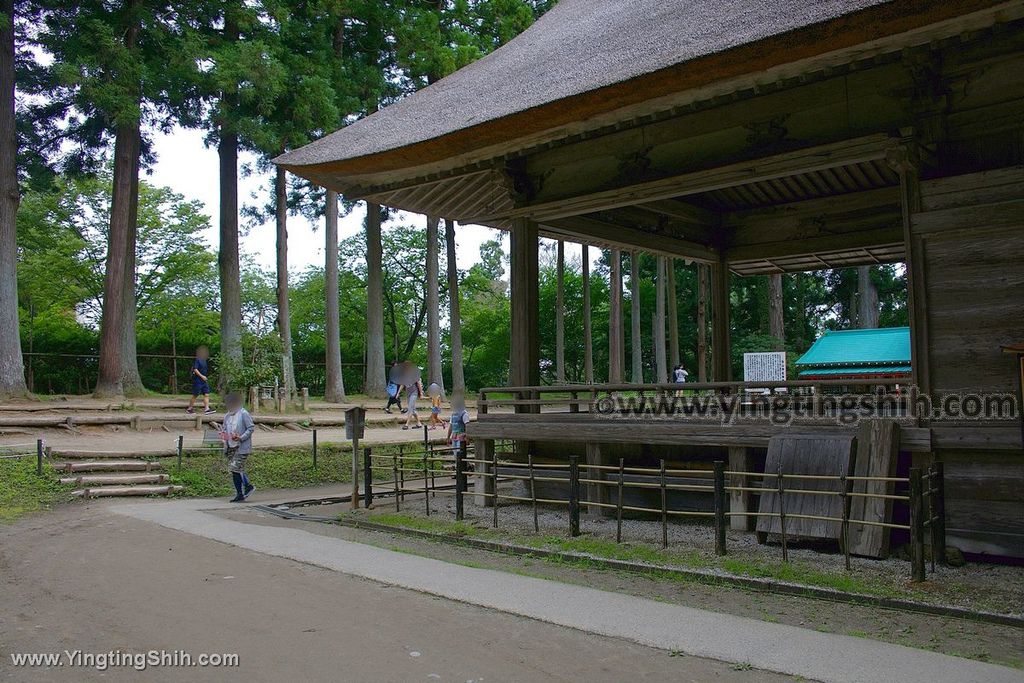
point(753, 138)
point(858, 356)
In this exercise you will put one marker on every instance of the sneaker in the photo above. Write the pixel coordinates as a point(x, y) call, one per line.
point(237, 499)
point(248, 491)
point(209, 411)
point(387, 410)
point(405, 426)
point(190, 411)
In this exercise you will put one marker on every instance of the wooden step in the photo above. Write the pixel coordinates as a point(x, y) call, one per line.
point(104, 455)
point(107, 466)
point(116, 479)
point(115, 491)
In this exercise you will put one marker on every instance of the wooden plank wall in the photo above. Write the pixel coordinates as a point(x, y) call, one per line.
point(878, 443)
point(971, 233)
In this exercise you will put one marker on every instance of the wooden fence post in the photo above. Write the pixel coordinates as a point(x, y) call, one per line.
point(460, 479)
point(533, 492)
point(664, 508)
point(719, 507)
point(394, 470)
point(367, 477)
point(937, 483)
point(314, 449)
point(39, 457)
point(917, 570)
point(180, 447)
point(618, 504)
point(574, 495)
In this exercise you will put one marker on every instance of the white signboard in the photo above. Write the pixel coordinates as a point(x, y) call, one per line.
point(764, 367)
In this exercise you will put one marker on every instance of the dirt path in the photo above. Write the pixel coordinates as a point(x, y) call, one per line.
point(84, 578)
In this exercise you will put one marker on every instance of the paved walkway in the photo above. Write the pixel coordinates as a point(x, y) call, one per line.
point(773, 647)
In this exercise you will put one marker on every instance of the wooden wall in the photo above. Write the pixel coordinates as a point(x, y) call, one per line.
point(970, 236)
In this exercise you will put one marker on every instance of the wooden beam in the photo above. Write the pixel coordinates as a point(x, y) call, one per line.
point(868, 148)
point(560, 313)
point(615, 318)
point(673, 315)
point(660, 362)
point(588, 333)
point(684, 211)
point(636, 342)
point(627, 237)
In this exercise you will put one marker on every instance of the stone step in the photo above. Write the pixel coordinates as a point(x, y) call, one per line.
point(116, 479)
point(114, 491)
point(107, 466)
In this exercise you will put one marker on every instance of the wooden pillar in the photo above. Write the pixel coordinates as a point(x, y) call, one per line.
point(615, 318)
point(702, 322)
point(673, 314)
point(588, 332)
point(740, 460)
point(904, 161)
point(524, 367)
point(560, 314)
point(484, 485)
point(720, 352)
point(596, 492)
point(776, 311)
point(635, 340)
point(660, 361)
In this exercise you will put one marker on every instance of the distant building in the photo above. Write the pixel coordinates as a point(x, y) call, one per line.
point(873, 354)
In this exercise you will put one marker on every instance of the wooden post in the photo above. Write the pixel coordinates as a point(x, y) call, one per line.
point(560, 313)
point(720, 353)
point(588, 332)
point(917, 571)
point(394, 469)
point(782, 515)
point(844, 488)
point(355, 471)
point(484, 484)
point(533, 492)
point(367, 477)
point(494, 479)
point(664, 508)
point(660, 361)
point(314, 449)
point(618, 504)
point(426, 483)
point(595, 492)
point(524, 369)
point(702, 322)
point(719, 507)
point(180, 447)
point(635, 339)
point(305, 399)
point(281, 393)
point(574, 495)
point(615, 317)
point(937, 483)
point(740, 460)
point(460, 478)
point(673, 313)
point(39, 457)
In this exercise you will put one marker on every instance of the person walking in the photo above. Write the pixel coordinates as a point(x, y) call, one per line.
point(413, 391)
point(394, 388)
point(237, 437)
point(200, 381)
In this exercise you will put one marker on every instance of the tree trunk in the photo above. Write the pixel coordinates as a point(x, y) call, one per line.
point(588, 332)
point(334, 391)
point(702, 322)
point(374, 385)
point(560, 313)
point(131, 381)
point(454, 309)
point(615, 331)
point(867, 298)
point(284, 323)
point(435, 364)
point(776, 318)
point(661, 364)
point(673, 314)
point(12, 365)
point(228, 261)
point(635, 340)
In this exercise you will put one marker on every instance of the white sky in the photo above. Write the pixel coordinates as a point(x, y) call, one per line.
point(190, 168)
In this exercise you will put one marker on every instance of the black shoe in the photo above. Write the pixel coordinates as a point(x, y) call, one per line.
point(248, 491)
point(387, 410)
point(237, 499)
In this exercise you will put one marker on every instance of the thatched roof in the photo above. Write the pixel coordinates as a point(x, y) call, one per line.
point(589, 56)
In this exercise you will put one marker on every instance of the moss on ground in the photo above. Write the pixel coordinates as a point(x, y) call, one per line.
point(23, 491)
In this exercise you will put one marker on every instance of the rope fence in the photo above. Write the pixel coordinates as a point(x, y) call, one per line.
point(924, 497)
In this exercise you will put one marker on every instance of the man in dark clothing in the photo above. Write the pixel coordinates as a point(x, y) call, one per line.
point(394, 387)
point(200, 381)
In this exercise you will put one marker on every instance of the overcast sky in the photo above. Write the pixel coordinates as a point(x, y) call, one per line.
point(190, 168)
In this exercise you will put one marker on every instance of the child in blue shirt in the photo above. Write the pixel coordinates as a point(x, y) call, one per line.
point(200, 381)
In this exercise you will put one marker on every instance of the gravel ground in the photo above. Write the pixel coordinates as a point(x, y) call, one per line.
point(978, 586)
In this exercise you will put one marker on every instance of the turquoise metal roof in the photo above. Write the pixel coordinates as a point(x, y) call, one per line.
point(859, 349)
point(856, 370)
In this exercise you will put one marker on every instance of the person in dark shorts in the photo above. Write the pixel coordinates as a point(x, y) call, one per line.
point(200, 381)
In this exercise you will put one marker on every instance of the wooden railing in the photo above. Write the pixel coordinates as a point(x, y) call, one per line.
point(813, 395)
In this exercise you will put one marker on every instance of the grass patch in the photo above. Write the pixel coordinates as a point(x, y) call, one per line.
point(23, 491)
point(436, 526)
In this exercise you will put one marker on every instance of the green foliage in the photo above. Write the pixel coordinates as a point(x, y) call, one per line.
point(23, 491)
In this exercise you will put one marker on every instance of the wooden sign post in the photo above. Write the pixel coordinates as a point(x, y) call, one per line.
point(355, 423)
